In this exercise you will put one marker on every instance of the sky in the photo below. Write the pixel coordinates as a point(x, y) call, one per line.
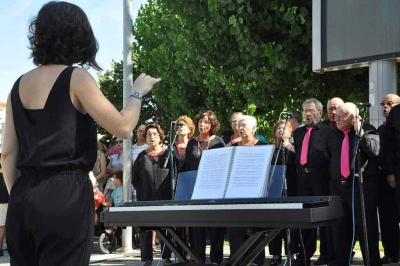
point(105, 16)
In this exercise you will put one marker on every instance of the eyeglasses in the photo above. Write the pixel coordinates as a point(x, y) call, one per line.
point(119, 141)
point(390, 104)
point(311, 111)
point(341, 117)
point(152, 135)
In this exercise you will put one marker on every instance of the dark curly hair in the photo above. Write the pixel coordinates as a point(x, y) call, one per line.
point(61, 34)
point(215, 125)
point(158, 128)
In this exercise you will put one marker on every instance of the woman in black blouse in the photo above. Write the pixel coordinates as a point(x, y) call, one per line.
point(50, 137)
point(151, 177)
point(275, 246)
point(246, 126)
point(207, 125)
point(185, 132)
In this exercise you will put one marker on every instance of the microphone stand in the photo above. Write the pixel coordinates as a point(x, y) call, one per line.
point(281, 148)
point(170, 155)
point(356, 154)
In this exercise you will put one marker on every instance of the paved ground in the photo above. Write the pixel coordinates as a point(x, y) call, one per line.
point(133, 259)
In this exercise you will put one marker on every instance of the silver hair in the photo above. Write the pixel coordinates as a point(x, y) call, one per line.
point(317, 103)
point(251, 120)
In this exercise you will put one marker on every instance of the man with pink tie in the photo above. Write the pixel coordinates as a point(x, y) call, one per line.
point(312, 164)
point(341, 150)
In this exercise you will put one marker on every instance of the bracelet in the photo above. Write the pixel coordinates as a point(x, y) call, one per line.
point(136, 95)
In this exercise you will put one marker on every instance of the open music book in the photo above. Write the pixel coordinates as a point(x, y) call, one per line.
point(233, 172)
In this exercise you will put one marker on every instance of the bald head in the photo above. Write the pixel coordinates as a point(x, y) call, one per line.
point(346, 113)
point(331, 107)
point(388, 102)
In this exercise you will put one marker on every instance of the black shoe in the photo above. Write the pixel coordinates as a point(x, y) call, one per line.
point(299, 262)
point(388, 260)
point(168, 262)
point(148, 263)
point(1, 253)
point(276, 260)
point(321, 261)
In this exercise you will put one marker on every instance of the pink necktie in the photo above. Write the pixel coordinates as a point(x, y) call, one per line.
point(344, 158)
point(304, 146)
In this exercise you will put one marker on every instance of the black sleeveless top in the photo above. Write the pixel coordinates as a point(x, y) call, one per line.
point(57, 136)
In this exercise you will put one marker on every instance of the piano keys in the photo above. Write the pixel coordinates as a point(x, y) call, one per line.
point(291, 212)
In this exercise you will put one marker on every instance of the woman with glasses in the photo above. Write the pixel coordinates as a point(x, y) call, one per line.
point(246, 126)
point(231, 137)
point(151, 177)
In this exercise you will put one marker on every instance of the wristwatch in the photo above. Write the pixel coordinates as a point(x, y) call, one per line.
point(136, 95)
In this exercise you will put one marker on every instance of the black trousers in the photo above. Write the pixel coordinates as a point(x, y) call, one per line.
point(237, 236)
point(275, 246)
point(50, 219)
point(314, 183)
point(198, 240)
point(343, 232)
point(388, 217)
point(146, 247)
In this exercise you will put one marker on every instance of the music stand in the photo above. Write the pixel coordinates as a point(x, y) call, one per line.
point(185, 185)
point(276, 181)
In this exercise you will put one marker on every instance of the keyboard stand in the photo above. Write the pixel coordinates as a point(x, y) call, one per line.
point(178, 243)
point(244, 255)
point(255, 244)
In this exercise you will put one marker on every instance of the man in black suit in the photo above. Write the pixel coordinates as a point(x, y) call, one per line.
point(341, 147)
point(312, 164)
point(388, 218)
point(331, 107)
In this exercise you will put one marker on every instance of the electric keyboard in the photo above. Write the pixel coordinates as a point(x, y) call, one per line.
point(290, 212)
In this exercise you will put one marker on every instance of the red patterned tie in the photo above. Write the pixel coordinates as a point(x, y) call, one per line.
point(344, 159)
point(304, 146)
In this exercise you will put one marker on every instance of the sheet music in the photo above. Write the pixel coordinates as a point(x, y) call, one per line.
point(250, 171)
point(212, 174)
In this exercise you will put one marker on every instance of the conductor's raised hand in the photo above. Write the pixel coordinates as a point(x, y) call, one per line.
point(144, 83)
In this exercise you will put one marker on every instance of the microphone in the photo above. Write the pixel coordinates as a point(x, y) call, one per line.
point(288, 114)
point(364, 104)
point(180, 124)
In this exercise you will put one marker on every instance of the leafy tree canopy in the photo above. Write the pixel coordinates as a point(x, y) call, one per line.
point(235, 55)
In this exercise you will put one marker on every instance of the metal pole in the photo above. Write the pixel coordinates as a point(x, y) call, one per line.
point(127, 88)
point(382, 80)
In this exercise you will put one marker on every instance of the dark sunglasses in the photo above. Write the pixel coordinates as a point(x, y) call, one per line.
point(119, 141)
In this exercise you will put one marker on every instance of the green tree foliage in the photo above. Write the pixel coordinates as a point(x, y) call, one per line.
point(235, 55)
point(111, 84)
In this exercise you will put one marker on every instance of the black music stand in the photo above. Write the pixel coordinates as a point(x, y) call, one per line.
point(276, 181)
point(185, 185)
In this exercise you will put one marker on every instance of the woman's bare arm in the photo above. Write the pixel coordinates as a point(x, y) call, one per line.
point(93, 101)
point(10, 149)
